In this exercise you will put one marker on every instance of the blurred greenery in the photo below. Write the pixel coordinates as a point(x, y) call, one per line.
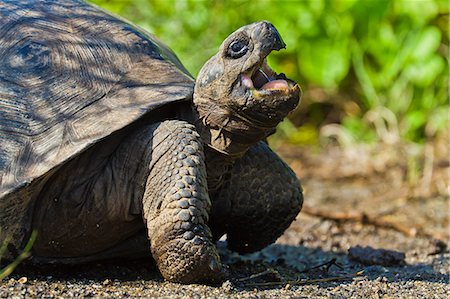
point(377, 68)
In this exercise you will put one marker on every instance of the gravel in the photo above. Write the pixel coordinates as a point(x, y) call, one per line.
point(311, 260)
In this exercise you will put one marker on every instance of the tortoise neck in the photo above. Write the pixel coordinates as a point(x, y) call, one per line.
point(218, 166)
point(228, 132)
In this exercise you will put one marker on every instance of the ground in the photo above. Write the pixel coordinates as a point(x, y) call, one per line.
point(371, 197)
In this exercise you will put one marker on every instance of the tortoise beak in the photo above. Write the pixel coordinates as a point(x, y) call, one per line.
point(278, 42)
point(268, 36)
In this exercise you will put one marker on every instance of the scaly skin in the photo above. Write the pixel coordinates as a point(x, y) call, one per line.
point(258, 200)
point(176, 206)
point(156, 170)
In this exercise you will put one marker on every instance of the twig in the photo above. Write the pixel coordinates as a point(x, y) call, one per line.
point(268, 271)
point(328, 264)
point(425, 181)
point(273, 271)
point(362, 218)
point(303, 282)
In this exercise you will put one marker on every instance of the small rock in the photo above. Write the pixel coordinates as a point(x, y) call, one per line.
point(106, 282)
point(23, 280)
point(227, 286)
point(438, 246)
point(371, 256)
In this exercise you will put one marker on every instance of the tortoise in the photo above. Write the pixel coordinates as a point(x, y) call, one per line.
point(110, 149)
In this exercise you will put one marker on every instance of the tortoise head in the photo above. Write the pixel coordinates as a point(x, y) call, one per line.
point(238, 96)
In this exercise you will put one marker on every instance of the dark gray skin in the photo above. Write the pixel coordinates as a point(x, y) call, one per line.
point(157, 170)
point(245, 190)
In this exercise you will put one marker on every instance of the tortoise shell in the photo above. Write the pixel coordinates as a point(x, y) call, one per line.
point(70, 75)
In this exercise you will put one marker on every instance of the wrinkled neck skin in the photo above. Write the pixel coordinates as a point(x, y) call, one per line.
point(227, 135)
point(229, 132)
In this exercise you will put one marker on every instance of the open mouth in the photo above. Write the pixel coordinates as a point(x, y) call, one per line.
point(262, 78)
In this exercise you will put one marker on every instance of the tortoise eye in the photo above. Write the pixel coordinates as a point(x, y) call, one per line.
point(237, 49)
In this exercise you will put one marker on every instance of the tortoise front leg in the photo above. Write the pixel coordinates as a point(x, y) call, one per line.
point(258, 201)
point(176, 206)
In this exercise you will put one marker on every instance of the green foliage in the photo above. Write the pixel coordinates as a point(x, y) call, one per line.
point(373, 55)
point(4, 272)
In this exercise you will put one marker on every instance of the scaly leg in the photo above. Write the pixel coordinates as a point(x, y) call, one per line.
point(176, 206)
point(258, 201)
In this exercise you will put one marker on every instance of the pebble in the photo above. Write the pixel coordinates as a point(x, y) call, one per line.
point(106, 282)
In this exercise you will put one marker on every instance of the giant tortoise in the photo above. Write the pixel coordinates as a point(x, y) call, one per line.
point(110, 148)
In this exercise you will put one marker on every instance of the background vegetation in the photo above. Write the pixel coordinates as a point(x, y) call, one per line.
point(375, 70)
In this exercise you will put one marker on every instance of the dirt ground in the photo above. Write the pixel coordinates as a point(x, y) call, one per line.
point(375, 224)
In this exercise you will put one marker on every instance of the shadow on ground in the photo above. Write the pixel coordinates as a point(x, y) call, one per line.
point(311, 259)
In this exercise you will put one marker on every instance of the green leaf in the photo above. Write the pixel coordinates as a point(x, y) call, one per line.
point(427, 43)
point(426, 71)
point(23, 255)
point(419, 11)
point(325, 62)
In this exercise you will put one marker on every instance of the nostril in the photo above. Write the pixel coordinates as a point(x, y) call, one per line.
point(269, 27)
point(267, 24)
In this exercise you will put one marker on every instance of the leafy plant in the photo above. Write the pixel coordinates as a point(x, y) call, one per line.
point(4, 272)
point(355, 59)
